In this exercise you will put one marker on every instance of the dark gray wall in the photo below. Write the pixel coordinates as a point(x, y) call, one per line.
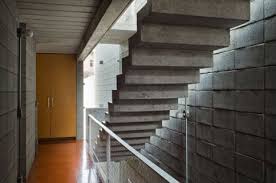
point(29, 99)
point(233, 109)
point(80, 108)
point(8, 92)
point(8, 96)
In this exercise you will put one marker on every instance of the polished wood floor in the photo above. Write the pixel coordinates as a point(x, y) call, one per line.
point(65, 162)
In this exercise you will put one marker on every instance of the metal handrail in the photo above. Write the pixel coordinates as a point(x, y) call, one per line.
point(149, 163)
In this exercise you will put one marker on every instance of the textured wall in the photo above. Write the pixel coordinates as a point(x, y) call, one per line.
point(8, 92)
point(233, 108)
point(29, 99)
point(80, 107)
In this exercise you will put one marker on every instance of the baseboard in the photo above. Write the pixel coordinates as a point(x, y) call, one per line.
point(57, 140)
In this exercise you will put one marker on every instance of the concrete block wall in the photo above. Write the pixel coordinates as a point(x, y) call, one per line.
point(80, 102)
point(29, 99)
point(234, 106)
point(8, 92)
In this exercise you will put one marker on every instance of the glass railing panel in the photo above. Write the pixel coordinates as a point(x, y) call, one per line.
point(127, 158)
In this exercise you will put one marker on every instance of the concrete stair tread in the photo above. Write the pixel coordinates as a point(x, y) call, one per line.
point(175, 124)
point(131, 134)
point(143, 105)
point(115, 143)
point(158, 77)
point(116, 158)
point(225, 14)
point(134, 126)
point(136, 117)
point(150, 92)
point(176, 138)
point(179, 58)
point(125, 153)
point(160, 164)
point(173, 163)
point(173, 149)
point(172, 136)
point(99, 149)
point(166, 36)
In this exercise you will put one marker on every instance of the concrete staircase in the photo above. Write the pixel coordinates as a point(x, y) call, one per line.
point(175, 38)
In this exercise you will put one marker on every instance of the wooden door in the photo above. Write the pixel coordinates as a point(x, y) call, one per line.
point(60, 69)
point(43, 93)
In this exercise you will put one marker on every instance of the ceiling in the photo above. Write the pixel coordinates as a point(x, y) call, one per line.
point(58, 25)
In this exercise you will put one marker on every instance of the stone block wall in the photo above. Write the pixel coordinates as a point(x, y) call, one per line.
point(8, 92)
point(80, 106)
point(8, 95)
point(234, 106)
point(29, 99)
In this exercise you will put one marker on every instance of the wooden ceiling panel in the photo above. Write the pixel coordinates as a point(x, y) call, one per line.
point(54, 13)
point(56, 7)
point(58, 25)
point(65, 2)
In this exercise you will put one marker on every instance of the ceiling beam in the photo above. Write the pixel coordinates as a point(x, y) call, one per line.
point(109, 11)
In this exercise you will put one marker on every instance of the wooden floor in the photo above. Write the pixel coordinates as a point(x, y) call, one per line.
point(61, 163)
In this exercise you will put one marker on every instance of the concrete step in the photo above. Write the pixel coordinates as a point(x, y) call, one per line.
point(174, 124)
point(116, 158)
point(173, 163)
point(137, 141)
point(187, 37)
point(142, 172)
point(150, 92)
point(158, 77)
point(122, 127)
point(169, 147)
point(101, 149)
point(133, 117)
point(172, 136)
point(161, 165)
point(214, 13)
point(176, 138)
point(152, 57)
point(131, 134)
point(143, 105)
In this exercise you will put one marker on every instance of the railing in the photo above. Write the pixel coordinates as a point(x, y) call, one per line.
point(152, 172)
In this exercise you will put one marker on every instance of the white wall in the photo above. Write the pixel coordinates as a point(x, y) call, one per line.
point(88, 92)
point(98, 87)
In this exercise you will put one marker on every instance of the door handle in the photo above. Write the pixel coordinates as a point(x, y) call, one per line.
point(48, 102)
point(53, 101)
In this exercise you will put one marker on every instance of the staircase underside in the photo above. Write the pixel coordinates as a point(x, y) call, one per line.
point(175, 39)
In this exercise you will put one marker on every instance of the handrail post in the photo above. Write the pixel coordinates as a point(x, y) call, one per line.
point(89, 134)
point(108, 157)
point(186, 139)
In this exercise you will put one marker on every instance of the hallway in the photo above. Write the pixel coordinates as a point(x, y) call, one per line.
point(64, 162)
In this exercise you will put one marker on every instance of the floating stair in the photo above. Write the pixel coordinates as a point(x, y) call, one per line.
point(175, 38)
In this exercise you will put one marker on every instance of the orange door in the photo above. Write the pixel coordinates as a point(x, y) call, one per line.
point(43, 93)
point(60, 69)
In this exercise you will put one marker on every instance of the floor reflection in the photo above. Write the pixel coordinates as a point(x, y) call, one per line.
point(65, 162)
point(87, 173)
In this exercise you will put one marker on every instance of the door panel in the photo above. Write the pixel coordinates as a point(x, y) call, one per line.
point(63, 99)
point(43, 81)
point(61, 73)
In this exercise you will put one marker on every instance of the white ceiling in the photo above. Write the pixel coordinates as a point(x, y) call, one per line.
point(58, 25)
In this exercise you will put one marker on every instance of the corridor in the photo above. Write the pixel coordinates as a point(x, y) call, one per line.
point(62, 162)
